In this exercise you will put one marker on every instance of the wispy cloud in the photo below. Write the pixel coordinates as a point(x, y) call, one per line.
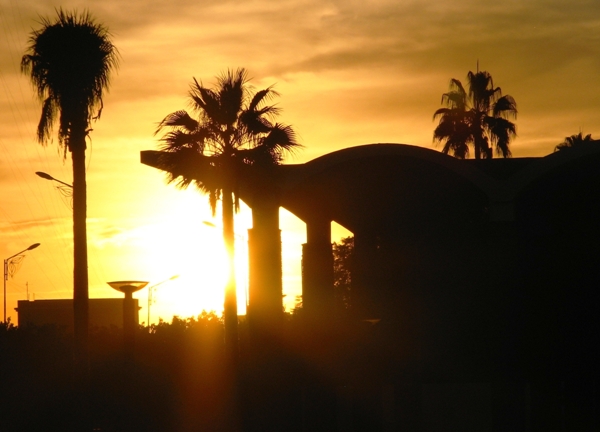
point(18, 227)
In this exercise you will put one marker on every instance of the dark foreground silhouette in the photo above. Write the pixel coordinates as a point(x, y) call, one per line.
point(349, 376)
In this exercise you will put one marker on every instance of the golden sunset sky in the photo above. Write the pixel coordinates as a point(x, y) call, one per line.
point(349, 73)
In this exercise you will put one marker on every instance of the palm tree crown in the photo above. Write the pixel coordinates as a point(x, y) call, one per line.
point(574, 141)
point(234, 130)
point(477, 118)
point(69, 62)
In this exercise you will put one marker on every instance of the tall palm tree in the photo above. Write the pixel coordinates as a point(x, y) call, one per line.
point(235, 132)
point(69, 61)
point(477, 118)
point(574, 141)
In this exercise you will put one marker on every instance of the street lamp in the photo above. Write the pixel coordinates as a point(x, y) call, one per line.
point(65, 189)
point(129, 322)
point(49, 177)
point(151, 290)
point(11, 266)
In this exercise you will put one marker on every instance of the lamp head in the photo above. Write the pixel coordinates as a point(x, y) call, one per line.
point(33, 246)
point(128, 287)
point(44, 175)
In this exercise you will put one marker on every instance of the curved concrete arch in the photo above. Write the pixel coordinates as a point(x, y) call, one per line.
point(478, 178)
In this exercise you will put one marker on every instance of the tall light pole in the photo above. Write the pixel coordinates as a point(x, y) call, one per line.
point(10, 268)
point(151, 290)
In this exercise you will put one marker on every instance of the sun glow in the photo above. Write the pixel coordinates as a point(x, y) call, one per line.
point(181, 244)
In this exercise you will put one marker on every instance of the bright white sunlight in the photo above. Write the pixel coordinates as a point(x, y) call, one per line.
point(193, 250)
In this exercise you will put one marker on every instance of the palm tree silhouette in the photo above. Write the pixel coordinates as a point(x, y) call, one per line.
point(479, 118)
point(574, 141)
point(69, 61)
point(234, 133)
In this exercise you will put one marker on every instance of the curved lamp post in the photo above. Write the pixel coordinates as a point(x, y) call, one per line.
point(11, 271)
point(49, 177)
point(65, 189)
point(151, 290)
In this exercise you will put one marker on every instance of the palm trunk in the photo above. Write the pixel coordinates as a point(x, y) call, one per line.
point(80, 264)
point(80, 285)
point(230, 306)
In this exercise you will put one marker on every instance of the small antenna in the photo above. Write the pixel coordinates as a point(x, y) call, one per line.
point(477, 65)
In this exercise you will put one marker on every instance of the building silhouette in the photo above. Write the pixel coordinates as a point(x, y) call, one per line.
point(104, 312)
point(475, 286)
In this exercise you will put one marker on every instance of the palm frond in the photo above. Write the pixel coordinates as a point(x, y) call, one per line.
point(482, 92)
point(502, 136)
point(44, 129)
point(213, 197)
point(441, 112)
point(269, 111)
point(262, 96)
point(282, 138)
point(187, 166)
point(205, 100)
point(456, 86)
point(257, 156)
point(454, 132)
point(505, 107)
point(178, 119)
point(231, 95)
point(177, 139)
point(254, 122)
point(455, 100)
point(502, 131)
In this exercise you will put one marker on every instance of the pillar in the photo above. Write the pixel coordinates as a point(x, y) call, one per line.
point(317, 270)
point(265, 305)
point(129, 323)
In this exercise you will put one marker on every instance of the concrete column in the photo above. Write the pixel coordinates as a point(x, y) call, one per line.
point(129, 324)
point(265, 307)
point(317, 270)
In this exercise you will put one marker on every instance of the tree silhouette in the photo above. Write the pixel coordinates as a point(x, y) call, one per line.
point(69, 61)
point(234, 132)
point(574, 141)
point(343, 253)
point(479, 118)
